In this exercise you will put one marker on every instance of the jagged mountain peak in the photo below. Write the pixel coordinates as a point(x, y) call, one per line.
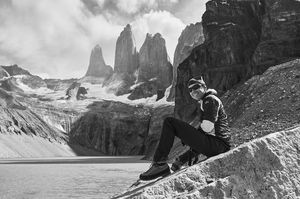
point(97, 66)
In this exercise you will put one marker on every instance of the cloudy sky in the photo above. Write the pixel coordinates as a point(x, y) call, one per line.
point(54, 38)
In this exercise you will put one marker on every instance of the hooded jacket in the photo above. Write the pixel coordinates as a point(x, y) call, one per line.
point(212, 110)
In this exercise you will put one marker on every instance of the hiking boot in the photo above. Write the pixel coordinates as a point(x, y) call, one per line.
point(156, 170)
point(184, 158)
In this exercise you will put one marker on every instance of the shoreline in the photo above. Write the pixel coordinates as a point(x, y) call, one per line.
point(76, 160)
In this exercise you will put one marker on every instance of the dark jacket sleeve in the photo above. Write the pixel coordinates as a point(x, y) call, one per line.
point(210, 109)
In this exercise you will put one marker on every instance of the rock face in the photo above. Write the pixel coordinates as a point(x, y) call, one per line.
point(264, 168)
point(154, 67)
point(280, 32)
point(112, 128)
point(97, 66)
point(234, 32)
point(190, 37)
point(126, 64)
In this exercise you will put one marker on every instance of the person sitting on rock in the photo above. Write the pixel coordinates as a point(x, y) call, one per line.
point(210, 137)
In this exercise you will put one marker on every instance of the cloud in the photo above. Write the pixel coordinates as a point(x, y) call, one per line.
point(56, 37)
point(133, 6)
point(162, 22)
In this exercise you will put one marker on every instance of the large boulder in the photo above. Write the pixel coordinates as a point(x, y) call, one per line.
point(76, 91)
point(190, 37)
point(154, 66)
point(264, 168)
point(97, 67)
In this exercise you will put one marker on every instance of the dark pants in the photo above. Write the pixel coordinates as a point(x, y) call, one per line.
point(199, 141)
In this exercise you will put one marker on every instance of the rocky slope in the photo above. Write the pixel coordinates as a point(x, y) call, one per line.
point(190, 37)
point(97, 66)
point(265, 103)
point(21, 127)
point(3, 73)
point(235, 35)
point(154, 67)
point(264, 168)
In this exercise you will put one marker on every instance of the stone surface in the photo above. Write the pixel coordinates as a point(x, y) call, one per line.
point(190, 37)
point(268, 167)
point(97, 66)
point(155, 71)
point(233, 33)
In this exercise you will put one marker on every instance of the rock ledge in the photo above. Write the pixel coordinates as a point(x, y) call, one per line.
point(268, 167)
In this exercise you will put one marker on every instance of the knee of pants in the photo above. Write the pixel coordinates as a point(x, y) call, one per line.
point(168, 120)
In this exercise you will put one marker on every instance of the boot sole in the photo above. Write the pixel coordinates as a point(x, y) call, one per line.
point(161, 174)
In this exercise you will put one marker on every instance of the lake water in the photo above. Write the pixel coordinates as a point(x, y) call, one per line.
point(80, 177)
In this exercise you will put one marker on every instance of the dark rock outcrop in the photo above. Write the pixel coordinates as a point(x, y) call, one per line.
point(75, 91)
point(97, 66)
point(112, 128)
point(154, 67)
point(234, 32)
point(115, 128)
point(190, 37)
